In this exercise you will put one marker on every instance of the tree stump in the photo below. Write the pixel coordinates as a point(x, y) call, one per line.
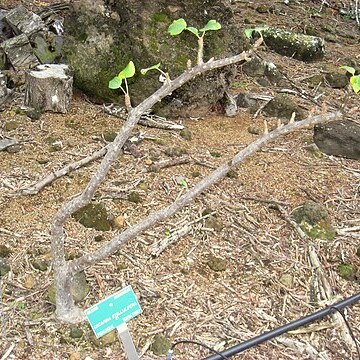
point(49, 88)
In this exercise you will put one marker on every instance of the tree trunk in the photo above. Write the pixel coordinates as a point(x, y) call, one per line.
point(49, 88)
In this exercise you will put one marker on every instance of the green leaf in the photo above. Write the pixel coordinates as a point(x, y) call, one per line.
point(211, 25)
point(154, 67)
point(249, 32)
point(349, 69)
point(355, 83)
point(115, 83)
point(177, 27)
point(193, 30)
point(128, 72)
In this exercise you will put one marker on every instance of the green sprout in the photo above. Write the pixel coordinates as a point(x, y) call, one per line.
point(116, 82)
point(249, 32)
point(354, 80)
point(179, 25)
point(164, 77)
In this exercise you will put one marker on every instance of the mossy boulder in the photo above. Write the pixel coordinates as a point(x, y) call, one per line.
point(314, 220)
point(103, 36)
point(299, 46)
point(283, 106)
point(93, 216)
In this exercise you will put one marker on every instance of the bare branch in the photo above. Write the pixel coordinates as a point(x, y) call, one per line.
point(111, 247)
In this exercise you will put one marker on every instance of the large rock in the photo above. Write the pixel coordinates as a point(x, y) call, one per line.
point(339, 138)
point(299, 46)
point(103, 36)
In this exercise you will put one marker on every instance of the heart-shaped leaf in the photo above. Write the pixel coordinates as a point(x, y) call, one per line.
point(154, 67)
point(211, 25)
point(177, 27)
point(128, 72)
point(355, 83)
point(115, 83)
point(249, 32)
point(193, 30)
point(349, 69)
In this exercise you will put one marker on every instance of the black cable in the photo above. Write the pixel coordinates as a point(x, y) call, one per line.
point(196, 343)
point(285, 328)
point(350, 330)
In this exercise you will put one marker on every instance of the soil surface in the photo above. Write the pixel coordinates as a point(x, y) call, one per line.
point(264, 278)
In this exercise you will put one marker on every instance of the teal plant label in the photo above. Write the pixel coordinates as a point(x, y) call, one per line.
point(113, 311)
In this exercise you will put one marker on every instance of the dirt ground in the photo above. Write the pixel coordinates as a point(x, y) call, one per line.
point(181, 296)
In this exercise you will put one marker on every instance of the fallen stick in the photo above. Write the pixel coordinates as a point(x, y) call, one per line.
point(168, 163)
point(48, 179)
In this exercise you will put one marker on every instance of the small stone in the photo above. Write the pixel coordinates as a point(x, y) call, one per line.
point(216, 264)
point(347, 271)
point(42, 161)
point(76, 332)
point(160, 345)
point(215, 154)
point(75, 356)
point(263, 9)
point(134, 197)
point(13, 149)
point(337, 80)
point(106, 340)
point(287, 280)
point(109, 136)
point(99, 238)
point(207, 211)
point(232, 174)
point(213, 223)
point(254, 130)
point(283, 107)
point(11, 125)
point(148, 161)
point(33, 114)
point(175, 151)
point(93, 216)
point(50, 140)
point(119, 222)
point(186, 134)
point(4, 267)
point(29, 282)
point(4, 251)
point(39, 264)
point(314, 220)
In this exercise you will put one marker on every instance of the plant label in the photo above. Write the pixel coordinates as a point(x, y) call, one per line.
point(113, 311)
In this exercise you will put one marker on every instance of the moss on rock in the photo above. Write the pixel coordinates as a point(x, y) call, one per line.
point(93, 216)
point(314, 220)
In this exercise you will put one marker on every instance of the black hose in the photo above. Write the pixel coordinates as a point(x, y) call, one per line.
point(285, 328)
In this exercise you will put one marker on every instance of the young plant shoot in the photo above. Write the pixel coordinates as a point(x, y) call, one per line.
point(179, 25)
point(354, 80)
point(116, 82)
point(164, 76)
